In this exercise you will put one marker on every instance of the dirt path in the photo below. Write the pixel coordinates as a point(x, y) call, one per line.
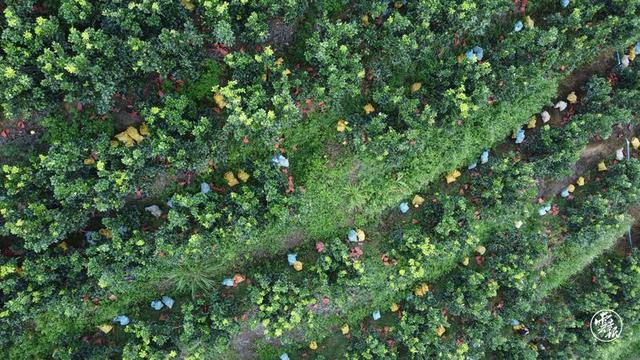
point(600, 66)
point(591, 155)
point(595, 150)
point(244, 342)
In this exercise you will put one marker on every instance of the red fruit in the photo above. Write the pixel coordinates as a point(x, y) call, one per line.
point(355, 253)
point(391, 343)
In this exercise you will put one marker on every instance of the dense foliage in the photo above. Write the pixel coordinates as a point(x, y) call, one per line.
point(204, 179)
